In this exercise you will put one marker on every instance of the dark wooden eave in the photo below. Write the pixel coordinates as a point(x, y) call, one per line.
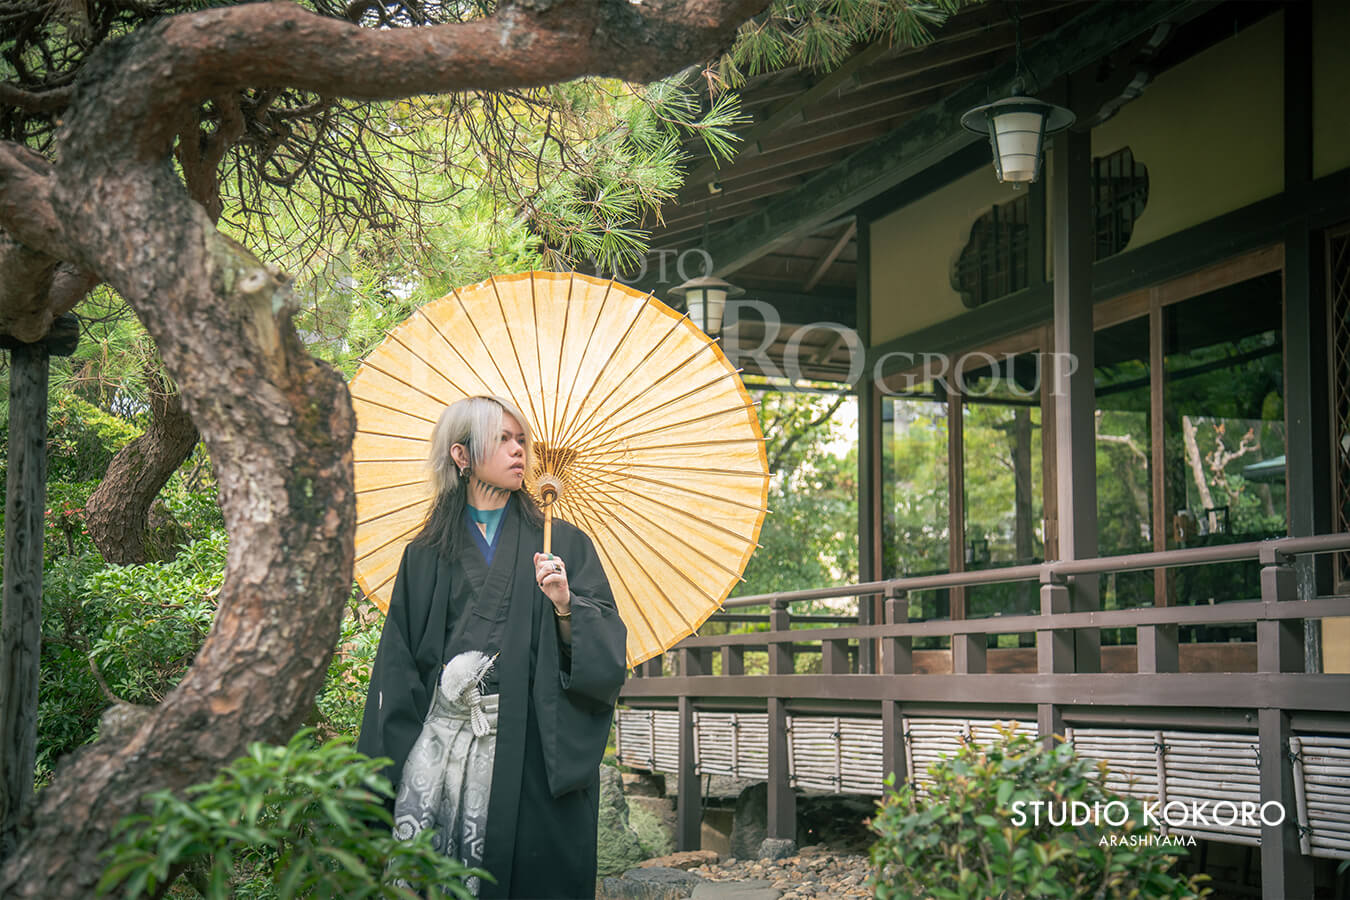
point(883, 128)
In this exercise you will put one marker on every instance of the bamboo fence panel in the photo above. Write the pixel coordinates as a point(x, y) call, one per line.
point(1200, 767)
point(835, 753)
point(1133, 758)
point(734, 744)
point(648, 739)
point(1322, 792)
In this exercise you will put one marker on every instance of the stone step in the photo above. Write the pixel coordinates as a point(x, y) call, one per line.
point(665, 883)
point(736, 890)
point(653, 883)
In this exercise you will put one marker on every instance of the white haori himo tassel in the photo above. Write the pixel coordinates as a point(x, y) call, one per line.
point(462, 682)
point(447, 779)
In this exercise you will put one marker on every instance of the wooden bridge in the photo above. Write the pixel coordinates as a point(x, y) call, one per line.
point(1175, 721)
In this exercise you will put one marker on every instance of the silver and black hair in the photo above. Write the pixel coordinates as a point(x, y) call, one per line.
point(476, 423)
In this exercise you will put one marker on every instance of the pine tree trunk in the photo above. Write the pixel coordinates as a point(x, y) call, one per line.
point(278, 425)
point(119, 510)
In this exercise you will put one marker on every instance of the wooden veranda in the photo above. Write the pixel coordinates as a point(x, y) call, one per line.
point(1195, 221)
point(877, 707)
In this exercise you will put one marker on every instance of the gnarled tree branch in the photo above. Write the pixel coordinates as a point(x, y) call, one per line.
point(278, 424)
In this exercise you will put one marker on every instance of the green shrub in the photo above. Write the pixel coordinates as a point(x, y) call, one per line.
point(154, 618)
point(342, 699)
point(139, 628)
point(69, 699)
point(958, 840)
point(293, 821)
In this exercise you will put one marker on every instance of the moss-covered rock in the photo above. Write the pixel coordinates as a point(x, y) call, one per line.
point(656, 836)
point(617, 845)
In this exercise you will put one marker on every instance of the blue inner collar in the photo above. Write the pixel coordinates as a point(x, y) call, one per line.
point(491, 520)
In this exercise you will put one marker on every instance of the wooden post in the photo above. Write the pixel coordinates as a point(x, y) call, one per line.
point(782, 806)
point(898, 652)
point(1285, 871)
point(969, 654)
point(897, 658)
point(1054, 654)
point(21, 620)
point(834, 657)
point(1157, 650)
point(1072, 373)
point(694, 661)
point(869, 456)
point(689, 809)
point(956, 504)
point(1279, 642)
point(1307, 378)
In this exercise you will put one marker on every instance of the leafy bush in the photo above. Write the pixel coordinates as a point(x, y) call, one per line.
point(281, 822)
point(139, 628)
point(343, 697)
point(957, 841)
point(154, 617)
point(69, 699)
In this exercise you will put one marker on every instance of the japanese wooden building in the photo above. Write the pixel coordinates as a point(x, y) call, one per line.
point(1159, 327)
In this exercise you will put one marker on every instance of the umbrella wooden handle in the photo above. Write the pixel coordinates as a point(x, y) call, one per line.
point(548, 494)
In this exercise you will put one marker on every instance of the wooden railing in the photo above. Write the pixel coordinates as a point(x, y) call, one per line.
point(870, 670)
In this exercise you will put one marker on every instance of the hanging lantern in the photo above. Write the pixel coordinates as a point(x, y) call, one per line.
point(706, 299)
point(1017, 127)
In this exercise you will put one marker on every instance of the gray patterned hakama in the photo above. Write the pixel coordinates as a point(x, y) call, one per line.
point(447, 780)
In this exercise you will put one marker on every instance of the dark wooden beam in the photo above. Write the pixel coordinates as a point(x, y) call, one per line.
point(1285, 871)
point(998, 34)
point(1208, 690)
point(803, 309)
point(724, 206)
point(969, 158)
point(828, 259)
point(760, 94)
point(1260, 224)
point(790, 110)
point(935, 133)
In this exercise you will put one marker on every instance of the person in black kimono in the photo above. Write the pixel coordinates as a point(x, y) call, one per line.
point(473, 581)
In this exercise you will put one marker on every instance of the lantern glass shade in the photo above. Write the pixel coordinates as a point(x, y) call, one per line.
point(706, 301)
point(706, 308)
point(1017, 127)
point(1017, 138)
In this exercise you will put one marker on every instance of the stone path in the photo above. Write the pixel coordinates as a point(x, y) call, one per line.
point(815, 871)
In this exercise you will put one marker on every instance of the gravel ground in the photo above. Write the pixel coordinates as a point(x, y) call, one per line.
point(815, 871)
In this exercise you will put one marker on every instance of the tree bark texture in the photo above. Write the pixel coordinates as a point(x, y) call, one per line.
point(21, 620)
point(119, 509)
point(277, 423)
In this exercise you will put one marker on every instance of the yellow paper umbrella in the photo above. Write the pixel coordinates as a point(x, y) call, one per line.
point(637, 416)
